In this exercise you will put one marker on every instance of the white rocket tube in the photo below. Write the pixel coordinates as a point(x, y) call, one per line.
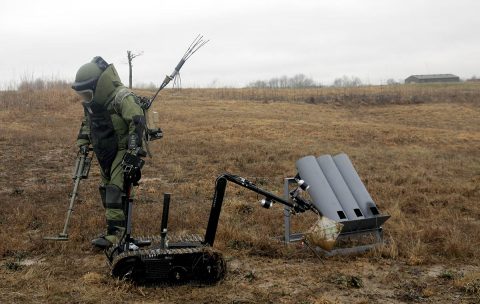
point(340, 188)
point(356, 186)
point(320, 191)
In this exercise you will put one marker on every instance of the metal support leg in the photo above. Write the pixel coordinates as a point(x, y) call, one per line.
point(288, 236)
point(286, 217)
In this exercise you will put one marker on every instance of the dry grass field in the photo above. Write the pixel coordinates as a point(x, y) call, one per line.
point(417, 149)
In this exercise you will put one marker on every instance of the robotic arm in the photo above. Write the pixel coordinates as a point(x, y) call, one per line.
point(296, 202)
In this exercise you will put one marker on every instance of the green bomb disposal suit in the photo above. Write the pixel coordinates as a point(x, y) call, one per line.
point(111, 118)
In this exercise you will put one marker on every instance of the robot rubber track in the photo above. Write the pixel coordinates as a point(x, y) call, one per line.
point(186, 259)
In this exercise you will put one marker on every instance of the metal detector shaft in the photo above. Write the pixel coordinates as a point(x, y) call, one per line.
point(72, 198)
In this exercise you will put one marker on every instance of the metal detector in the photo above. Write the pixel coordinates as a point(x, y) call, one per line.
point(81, 170)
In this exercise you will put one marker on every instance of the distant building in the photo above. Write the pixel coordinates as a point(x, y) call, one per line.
point(432, 78)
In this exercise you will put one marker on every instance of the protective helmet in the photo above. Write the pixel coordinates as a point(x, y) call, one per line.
point(87, 77)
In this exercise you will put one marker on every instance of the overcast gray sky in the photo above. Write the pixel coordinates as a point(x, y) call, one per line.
point(249, 40)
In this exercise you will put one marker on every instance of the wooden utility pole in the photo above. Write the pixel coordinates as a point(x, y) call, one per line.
point(130, 56)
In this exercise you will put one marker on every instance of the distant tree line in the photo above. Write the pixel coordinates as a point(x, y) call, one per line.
point(297, 81)
point(302, 81)
point(347, 81)
point(41, 84)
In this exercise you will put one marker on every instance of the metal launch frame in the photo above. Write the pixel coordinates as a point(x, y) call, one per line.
point(360, 217)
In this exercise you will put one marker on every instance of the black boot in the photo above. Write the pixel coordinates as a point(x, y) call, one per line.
point(101, 242)
point(115, 217)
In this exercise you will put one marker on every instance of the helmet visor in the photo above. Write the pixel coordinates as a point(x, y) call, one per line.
point(87, 95)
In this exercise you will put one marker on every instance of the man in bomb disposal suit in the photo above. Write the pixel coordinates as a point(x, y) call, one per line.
point(114, 124)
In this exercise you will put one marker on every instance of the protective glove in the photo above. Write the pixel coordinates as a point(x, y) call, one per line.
point(132, 164)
